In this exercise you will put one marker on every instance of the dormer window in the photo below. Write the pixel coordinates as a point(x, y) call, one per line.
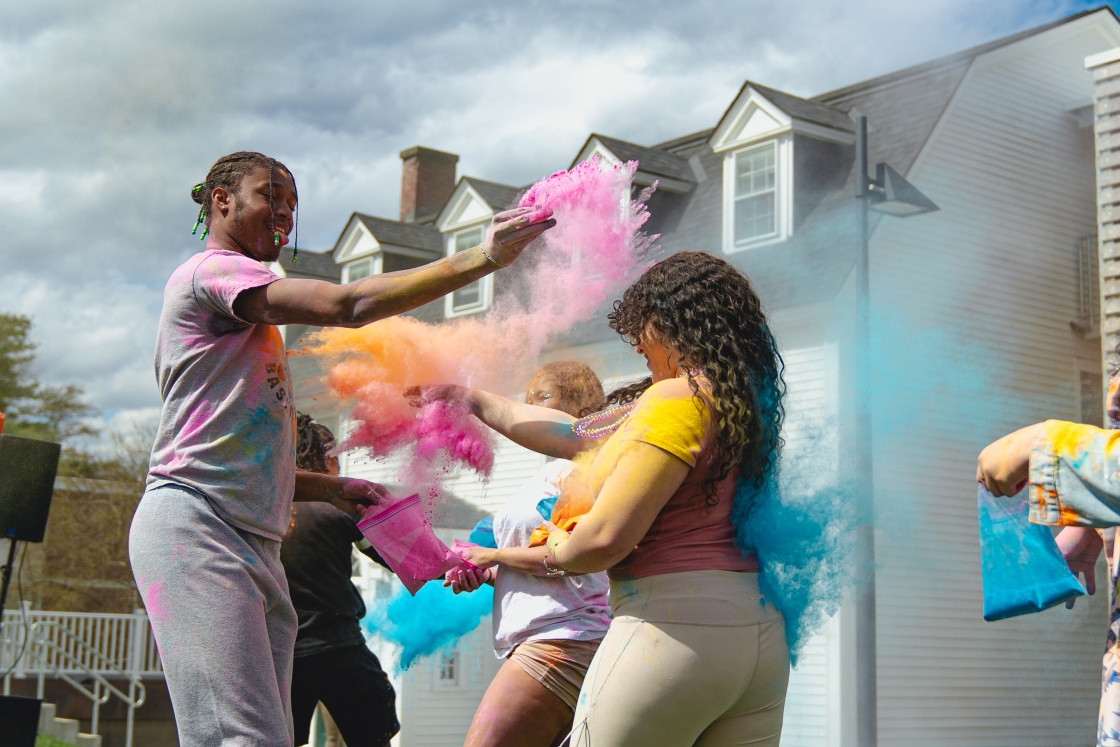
point(363, 268)
point(471, 298)
point(756, 193)
point(756, 138)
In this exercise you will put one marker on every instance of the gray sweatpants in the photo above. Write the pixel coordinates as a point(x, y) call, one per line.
point(222, 617)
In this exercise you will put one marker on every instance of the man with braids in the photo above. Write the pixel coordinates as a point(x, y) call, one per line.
point(205, 540)
point(694, 656)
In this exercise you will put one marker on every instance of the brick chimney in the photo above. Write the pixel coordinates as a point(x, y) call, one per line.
point(427, 181)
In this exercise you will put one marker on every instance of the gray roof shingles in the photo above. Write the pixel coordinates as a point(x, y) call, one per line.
point(318, 265)
point(805, 110)
point(411, 235)
point(902, 110)
point(651, 160)
point(497, 196)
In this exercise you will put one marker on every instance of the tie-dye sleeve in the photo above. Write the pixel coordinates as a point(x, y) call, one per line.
point(1075, 476)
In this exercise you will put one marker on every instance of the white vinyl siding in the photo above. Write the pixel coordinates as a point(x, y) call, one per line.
point(1013, 176)
point(812, 712)
point(513, 465)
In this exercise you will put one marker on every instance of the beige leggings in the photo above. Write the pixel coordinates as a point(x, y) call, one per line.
point(692, 658)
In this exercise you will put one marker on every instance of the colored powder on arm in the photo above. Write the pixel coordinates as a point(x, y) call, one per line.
point(433, 620)
point(562, 279)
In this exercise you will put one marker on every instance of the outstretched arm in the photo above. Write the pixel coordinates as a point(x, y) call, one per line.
point(530, 560)
point(315, 302)
point(540, 429)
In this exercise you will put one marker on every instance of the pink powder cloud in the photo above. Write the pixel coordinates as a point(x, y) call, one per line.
point(595, 251)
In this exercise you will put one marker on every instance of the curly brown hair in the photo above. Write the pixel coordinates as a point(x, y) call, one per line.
point(707, 310)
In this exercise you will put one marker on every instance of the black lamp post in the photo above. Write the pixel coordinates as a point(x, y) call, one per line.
point(888, 193)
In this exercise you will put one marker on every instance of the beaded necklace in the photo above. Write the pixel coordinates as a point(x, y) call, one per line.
point(584, 427)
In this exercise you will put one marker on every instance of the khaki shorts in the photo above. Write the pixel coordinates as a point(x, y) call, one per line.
point(558, 665)
point(692, 659)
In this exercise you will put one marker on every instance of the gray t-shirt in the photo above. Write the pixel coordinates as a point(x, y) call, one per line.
point(228, 427)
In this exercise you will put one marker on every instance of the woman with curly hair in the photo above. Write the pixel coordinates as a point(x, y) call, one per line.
point(694, 655)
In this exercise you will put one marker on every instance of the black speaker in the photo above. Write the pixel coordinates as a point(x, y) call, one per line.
point(27, 470)
point(19, 721)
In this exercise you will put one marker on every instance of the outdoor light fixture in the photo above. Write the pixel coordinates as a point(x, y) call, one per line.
point(888, 193)
point(891, 194)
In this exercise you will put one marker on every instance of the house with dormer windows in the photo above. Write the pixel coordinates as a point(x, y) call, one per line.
point(1000, 138)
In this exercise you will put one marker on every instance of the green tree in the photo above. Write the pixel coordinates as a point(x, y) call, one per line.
point(31, 409)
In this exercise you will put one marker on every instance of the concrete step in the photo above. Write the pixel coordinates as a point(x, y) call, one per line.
point(46, 718)
point(66, 729)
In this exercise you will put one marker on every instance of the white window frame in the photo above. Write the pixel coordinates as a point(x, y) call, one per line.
point(783, 194)
point(374, 266)
point(485, 285)
point(437, 674)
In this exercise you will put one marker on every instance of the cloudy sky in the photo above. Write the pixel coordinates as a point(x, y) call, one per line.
point(110, 111)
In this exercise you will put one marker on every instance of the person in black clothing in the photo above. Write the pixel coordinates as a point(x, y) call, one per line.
point(332, 664)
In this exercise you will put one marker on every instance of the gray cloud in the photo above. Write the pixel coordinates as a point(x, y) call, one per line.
point(110, 111)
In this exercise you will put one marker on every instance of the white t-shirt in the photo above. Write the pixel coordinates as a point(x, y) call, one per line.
point(540, 608)
point(228, 427)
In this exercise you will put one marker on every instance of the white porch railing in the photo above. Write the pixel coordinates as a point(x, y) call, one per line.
point(83, 650)
point(113, 642)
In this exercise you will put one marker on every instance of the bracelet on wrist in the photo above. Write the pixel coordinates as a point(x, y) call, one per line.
point(482, 249)
point(550, 570)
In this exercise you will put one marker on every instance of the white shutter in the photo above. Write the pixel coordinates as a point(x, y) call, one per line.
point(813, 699)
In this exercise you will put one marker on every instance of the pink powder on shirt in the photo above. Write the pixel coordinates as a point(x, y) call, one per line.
point(566, 277)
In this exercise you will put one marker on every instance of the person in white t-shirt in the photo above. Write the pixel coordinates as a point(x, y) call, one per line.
point(546, 626)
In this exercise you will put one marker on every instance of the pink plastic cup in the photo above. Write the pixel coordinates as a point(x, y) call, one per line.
point(403, 537)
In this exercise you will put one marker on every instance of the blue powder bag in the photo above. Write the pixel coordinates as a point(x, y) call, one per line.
point(1022, 567)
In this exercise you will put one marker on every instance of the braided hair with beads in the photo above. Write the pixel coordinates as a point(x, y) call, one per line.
point(228, 173)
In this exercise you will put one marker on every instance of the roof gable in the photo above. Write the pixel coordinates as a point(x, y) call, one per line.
point(465, 206)
point(355, 241)
point(759, 113)
point(395, 233)
point(498, 196)
point(670, 171)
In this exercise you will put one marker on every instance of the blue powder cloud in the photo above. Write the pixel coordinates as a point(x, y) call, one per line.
point(930, 387)
point(435, 619)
